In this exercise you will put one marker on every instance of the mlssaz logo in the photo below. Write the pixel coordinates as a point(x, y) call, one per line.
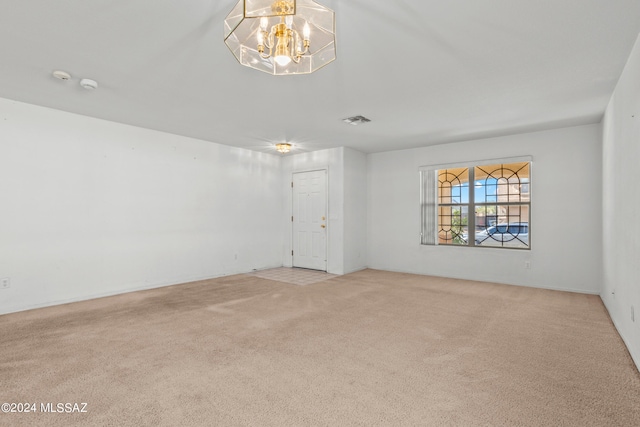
point(66, 408)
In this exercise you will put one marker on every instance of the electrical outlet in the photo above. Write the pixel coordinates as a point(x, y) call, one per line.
point(5, 283)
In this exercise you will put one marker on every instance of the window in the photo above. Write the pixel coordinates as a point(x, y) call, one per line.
point(492, 212)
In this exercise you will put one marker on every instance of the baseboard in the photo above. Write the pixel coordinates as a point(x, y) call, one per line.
point(121, 291)
point(550, 288)
point(635, 358)
point(355, 270)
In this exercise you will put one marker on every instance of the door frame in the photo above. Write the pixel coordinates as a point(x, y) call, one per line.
point(322, 168)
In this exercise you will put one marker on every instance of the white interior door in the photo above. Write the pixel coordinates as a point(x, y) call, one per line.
point(310, 220)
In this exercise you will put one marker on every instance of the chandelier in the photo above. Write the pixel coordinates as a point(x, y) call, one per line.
point(281, 37)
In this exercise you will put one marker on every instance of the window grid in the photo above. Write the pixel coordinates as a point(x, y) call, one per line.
point(499, 200)
point(452, 213)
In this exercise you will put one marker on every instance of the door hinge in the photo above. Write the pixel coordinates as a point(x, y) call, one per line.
point(291, 184)
point(291, 253)
point(291, 218)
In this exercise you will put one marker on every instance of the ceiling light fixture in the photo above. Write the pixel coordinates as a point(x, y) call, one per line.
point(281, 37)
point(283, 147)
point(356, 120)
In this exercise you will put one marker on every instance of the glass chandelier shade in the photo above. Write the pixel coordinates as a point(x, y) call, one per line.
point(281, 37)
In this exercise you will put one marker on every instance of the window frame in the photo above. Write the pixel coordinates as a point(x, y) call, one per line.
point(429, 203)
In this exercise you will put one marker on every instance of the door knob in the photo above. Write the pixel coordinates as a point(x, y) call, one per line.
point(323, 226)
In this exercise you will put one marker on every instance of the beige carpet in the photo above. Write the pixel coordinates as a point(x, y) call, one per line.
point(369, 348)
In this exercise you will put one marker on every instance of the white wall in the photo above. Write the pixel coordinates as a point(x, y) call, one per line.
point(91, 208)
point(355, 210)
point(621, 204)
point(565, 223)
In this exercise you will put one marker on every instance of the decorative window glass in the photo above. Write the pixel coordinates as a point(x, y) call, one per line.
point(499, 202)
point(453, 205)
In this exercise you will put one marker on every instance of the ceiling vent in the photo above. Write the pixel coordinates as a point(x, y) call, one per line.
point(356, 120)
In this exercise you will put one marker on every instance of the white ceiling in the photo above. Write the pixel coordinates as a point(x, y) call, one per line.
point(425, 72)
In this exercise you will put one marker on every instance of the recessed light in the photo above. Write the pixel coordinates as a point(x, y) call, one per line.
point(356, 120)
point(62, 75)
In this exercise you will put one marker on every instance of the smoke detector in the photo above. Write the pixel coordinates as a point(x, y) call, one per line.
point(356, 120)
point(89, 84)
point(62, 75)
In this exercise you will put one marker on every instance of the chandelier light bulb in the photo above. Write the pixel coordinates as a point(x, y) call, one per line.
point(282, 60)
point(306, 31)
point(260, 38)
point(264, 22)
